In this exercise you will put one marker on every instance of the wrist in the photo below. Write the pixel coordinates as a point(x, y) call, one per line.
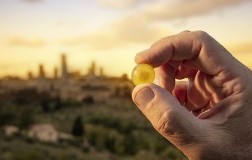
point(233, 152)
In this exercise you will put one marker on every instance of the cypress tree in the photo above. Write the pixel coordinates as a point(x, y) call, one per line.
point(78, 128)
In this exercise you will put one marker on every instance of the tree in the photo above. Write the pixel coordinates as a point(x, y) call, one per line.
point(45, 105)
point(78, 128)
point(23, 119)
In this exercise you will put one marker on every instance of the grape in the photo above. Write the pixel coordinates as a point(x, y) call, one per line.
point(143, 73)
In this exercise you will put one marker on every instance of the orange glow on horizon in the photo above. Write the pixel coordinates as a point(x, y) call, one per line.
point(110, 33)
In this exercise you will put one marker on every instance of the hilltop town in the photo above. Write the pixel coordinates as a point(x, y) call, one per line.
point(77, 117)
point(70, 85)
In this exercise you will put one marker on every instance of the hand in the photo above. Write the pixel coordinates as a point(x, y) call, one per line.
point(208, 117)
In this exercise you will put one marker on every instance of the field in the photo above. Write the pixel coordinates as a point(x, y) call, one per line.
point(112, 129)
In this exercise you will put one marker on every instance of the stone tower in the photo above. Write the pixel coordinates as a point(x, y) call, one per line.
point(64, 72)
point(41, 71)
point(92, 69)
point(55, 73)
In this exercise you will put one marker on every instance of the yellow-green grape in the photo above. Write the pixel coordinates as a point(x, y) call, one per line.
point(143, 73)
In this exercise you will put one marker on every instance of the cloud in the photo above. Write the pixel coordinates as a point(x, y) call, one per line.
point(185, 8)
point(25, 42)
point(119, 4)
point(241, 48)
point(120, 33)
point(141, 26)
point(242, 51)
point(163, 9)
point(33, 1)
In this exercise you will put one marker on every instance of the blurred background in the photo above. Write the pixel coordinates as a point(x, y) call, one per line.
point(65, 91)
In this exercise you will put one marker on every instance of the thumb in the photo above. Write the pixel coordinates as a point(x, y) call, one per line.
point(167, 116)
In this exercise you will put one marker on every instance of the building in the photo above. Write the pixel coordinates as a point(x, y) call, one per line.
point(10, 130)
point(30, 75)
point(43, 132)
point(41, 71)
point(101, 72)
point(55, 73)
point(64, 69)
point(92, 69)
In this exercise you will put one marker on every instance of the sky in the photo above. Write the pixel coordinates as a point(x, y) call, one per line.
point(111, 32)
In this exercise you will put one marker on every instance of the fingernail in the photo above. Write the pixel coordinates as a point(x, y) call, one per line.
point(139, 55)
point(144, 96)
point(142, 52)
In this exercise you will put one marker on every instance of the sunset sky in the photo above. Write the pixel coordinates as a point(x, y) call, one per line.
point(111, 32)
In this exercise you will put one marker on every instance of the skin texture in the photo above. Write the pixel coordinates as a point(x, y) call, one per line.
point(207, 117)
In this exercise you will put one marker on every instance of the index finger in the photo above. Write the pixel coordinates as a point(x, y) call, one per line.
point(205, 52)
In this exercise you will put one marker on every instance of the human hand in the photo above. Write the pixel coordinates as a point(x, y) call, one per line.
point(207, 117)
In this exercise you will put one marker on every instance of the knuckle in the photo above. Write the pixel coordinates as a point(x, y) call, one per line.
point(202, 35)
point(159, 42)
point(185, 32)
point(166, 123)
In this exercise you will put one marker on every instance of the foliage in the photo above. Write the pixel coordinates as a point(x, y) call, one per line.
point(114, 129)
point(19, 116)
point(78, 128)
